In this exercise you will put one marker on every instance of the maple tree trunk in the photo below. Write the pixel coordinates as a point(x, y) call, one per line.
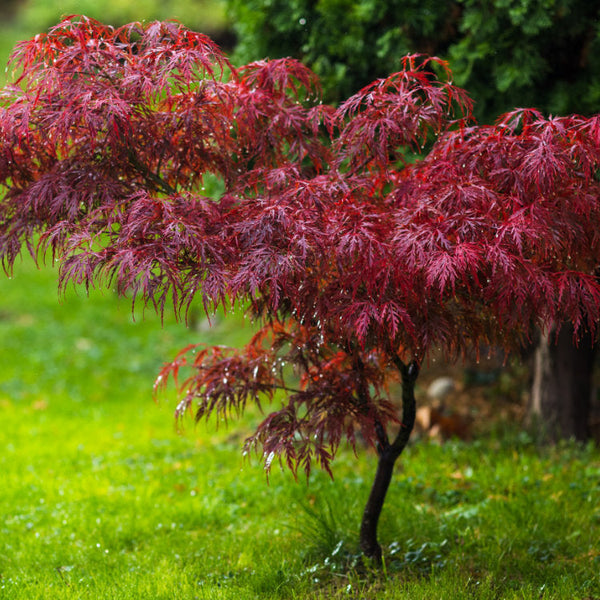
point(368, 529)
point(388, 454)
point(562, 385)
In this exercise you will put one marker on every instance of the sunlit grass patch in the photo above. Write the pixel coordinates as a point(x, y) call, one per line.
point(100, 497)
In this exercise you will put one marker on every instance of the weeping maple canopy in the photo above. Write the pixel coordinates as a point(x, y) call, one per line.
point(144, 160)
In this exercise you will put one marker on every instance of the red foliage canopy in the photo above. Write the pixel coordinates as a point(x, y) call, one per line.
point(354, 257)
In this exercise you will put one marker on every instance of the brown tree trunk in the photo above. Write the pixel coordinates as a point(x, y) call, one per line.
point(388, 453)
point(562, 385)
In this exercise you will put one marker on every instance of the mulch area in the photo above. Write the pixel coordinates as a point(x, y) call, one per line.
point(471, 398)
point(485, 395)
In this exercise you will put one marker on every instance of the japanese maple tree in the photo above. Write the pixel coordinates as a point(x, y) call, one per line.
point(353, 259)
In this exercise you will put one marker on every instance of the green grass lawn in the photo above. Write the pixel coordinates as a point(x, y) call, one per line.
point(101, 498)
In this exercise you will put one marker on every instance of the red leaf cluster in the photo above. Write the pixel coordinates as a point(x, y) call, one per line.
point(144, 160)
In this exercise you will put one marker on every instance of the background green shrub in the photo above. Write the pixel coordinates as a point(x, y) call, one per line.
point(507, 53)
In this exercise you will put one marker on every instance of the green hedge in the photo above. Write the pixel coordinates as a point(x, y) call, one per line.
point(507, 53)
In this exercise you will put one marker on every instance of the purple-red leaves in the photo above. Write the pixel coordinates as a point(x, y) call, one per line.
point(522, 199)
point(143, 159)
point(337, 396)
point(396, 115)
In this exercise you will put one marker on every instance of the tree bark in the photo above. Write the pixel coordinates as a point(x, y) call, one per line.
point(369, 543)
point(388, 454)
point(562, 385)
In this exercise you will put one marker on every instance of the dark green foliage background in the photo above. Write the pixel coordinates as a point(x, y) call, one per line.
point(506, 53)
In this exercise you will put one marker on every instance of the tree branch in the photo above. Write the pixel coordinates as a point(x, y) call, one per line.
point(409, 375)
point(153, 179)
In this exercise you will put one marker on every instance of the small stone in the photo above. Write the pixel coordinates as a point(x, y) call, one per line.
point(439, 388)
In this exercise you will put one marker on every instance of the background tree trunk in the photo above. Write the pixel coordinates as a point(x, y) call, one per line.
point(562, 385)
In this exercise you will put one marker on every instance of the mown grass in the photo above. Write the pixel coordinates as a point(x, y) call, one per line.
point(101, 498)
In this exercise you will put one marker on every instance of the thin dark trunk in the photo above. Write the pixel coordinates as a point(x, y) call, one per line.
point(562, 385)
point(388, 454)
point(368, 528)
